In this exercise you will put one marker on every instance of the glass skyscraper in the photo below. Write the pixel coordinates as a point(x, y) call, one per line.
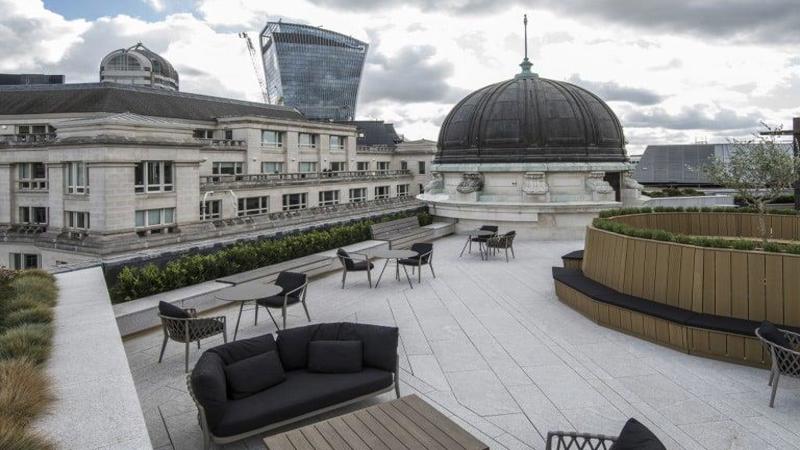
point(314, 70)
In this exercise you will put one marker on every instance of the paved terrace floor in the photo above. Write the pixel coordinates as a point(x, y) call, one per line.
point(489, 345)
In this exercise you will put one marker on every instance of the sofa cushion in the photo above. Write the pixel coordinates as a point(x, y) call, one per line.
point(293, 346)
point(245, 348)
point(334, 356)
point(379, 343)
point(635, 436)
point(170, 310)
point(771, 333)
point(209, 385)
point(254, 374)
point(302, 392)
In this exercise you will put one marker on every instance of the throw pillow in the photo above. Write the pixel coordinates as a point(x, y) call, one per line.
point(253, 375)
point(335, 356)
point(771, 333)
point(635, 436)
point(170, 310)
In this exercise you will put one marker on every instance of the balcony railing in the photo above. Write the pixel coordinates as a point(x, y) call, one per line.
point(28, 138)
point(375, 149)
point(279, 179)
point(235, 143)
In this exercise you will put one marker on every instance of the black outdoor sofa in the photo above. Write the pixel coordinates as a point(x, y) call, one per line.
point(255, 385)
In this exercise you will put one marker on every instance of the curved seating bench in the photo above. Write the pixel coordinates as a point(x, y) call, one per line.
point(702, 334)
point(251, 386)
point(573, 260)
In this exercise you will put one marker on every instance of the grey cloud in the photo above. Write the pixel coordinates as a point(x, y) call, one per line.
point(785, 95)
point(696, 117)
point(612, 91)
point(768, 21)
point(409, 76)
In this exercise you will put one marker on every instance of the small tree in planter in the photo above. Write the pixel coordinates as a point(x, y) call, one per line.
point(759, 170)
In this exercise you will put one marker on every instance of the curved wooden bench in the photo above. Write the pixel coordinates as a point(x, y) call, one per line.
point(702, 334)
point(573, 260)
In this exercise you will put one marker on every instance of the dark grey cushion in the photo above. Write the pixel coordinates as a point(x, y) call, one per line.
point(170, 310)
point(345, 258)
point(771, 333)
point(302, 392)
point(290, 282)
point(210, 386)
point(254, 374)
point(244, 348)
point(334, 356)
point(277, 301)
point(635, 436)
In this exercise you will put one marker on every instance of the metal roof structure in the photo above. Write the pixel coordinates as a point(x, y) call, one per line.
point(119, 98)
point(373, 133)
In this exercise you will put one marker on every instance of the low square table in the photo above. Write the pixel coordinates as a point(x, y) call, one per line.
point(405, 423)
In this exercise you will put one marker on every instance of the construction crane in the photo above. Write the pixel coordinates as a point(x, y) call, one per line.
point(254, 59)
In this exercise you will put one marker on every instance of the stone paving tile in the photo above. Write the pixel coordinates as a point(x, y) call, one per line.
point(489, 345)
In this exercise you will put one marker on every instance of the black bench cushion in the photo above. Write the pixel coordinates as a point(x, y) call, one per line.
point(577, 254)
point(276, 301)
point(575, 279)
point(244, 348)
point(302, 392)
point(170, 310)
point(335, 356)
point(379, 343)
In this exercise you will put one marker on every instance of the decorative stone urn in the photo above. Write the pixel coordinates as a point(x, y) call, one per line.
point(598, 187)
point(470, 182)
point(436, 185)
point(535, 186)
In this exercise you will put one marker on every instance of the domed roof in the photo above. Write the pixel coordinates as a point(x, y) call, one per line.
point(531, 119)
point(134, 60)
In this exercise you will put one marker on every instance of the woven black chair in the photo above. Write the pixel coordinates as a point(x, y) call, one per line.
point(424, 258)
point(350, 264)
point(567, 440)
point(483, 239)
point(294, 291)
point(784, 350)
point(183, 325)
point(504, 242)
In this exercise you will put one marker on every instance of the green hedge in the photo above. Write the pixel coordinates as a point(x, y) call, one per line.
point(604, 222)
point(674, 192)
point(136, 282)
point(668, 209)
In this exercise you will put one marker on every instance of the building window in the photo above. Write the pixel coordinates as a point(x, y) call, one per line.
point(271, 167)
point(226, 168)
point(338, 143)
point(338, 166)
point(402, 190)
point(228, 135)
point(403, 165)
point(421, 188)
point(253, 206)
point(383, 166)
point(295, 201)
point(308, 167)
point(33, 215)
point(32, 176)
point(154, 176)
point(358, 195)
point(76, 175)
point(381, 192)
point(160, 217)
point(203, 134)
point(271, 138)
point(76, 220)
point(327, 198)
point(307, 140)
point(22, 261)
point(210, 209)
point(362, 166)
point(421, 167)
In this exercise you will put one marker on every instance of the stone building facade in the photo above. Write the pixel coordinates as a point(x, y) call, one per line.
point(105, 171)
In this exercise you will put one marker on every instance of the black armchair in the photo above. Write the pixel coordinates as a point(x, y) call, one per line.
point(504, 242)
point(483, 239)
point(784, 350)
point(424, 258)
point(351, 264)
point(294, 291)
point(183, 325)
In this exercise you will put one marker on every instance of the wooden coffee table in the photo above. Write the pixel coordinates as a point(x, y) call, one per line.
point(405, 423)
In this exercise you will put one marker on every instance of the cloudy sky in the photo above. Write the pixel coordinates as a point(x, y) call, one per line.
point(674, 71)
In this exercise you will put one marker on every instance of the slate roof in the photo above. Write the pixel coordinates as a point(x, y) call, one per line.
point(375, 133)
point(119, 98)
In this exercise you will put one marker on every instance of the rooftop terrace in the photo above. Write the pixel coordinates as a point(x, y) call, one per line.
point(489, 345)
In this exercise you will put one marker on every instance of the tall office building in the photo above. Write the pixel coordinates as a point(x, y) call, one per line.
point(314, 70)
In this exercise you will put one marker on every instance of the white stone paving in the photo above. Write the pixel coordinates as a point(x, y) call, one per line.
point(488, 343)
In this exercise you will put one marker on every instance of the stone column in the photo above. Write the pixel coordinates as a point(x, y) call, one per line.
point(323, 150)
point(253, 138)
point(187, 190)
point(292, 149)
point(6, 197)
point(350, 149)
point(55, 194)
point(112, 200)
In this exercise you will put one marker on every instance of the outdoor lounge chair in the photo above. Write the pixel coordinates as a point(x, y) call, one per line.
point(633, 435)
point(424, 258)
point(255, 385)
point(294, 291)
point(183, 325)
point(784, 350)
point(504, 242)
point(350, 264)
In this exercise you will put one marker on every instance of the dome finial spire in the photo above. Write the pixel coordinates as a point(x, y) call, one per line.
point(526, 64)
